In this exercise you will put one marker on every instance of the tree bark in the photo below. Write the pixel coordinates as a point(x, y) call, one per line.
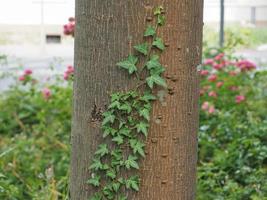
point(105, 32)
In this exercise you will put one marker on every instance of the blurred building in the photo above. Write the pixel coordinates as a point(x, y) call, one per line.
point(252, 12)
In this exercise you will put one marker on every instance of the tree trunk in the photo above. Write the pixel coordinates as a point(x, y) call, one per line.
point(105, 32)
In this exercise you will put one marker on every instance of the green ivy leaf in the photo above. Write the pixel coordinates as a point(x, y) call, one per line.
point(102, 150)
point(142, 48)
point(142, 127)
point(137, 147)
point(133, 183)
point(109, 117)
point(108, 131)
point(150, 31)
point(145, 113)
point(131, 162)
point(96, 196)
point(153, 62)
point(159, 44)
point(122, 197)
point(126, 107)
point(96, 165)
point(125, 131)
point(161, 20)
point(118, 139)
point(158, 10)
point(157, 80)
point(108, 192)
point(129, 64)
point(94, 180)
point(147, 97)
point(116, 186)
point(111, 173)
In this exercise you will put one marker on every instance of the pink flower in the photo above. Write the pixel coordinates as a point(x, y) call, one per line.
point(69, 72)
point(204, 72)
point(205, 106)
point(218, 66)
point(22, 78)
point(212, 94)
point(219, 56)
point(46, 93)
point(246, 65)
point(208, 62)
point(27, 71)
point(212, 78)
point(239, 98)
point(232, 73)
point(219, 84)
point(211, 109)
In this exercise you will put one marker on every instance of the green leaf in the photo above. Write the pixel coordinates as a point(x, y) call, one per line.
point(159, 44)
point(142, 48)
point(111, 173)
point(94, 180)
point(153, 62)
point(129, 64)
point(96, 196)
point(131, 162)
point(116, 186)
point(143, 128)
point(161, 20)
point(109, 117)
point(125, 131)
point(126, 107)
point(108, 131)
point(133, 183)
point(102, 150)
point(137, 147)
point(150, 31)
point(108, 192)
point(118, 139)
point(148, 97)
point(96, 165)
point(122, 197)
point(158, 10)
point(157, 80)
point(145, 113)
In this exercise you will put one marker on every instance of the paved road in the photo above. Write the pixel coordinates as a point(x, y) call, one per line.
point(59, 56)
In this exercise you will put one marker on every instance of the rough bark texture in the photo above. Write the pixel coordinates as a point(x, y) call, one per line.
point(105, 32)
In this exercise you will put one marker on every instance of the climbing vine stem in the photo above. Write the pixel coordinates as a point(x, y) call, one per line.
point(125, 124)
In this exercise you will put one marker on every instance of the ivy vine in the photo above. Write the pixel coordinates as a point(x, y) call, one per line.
point(125, 123)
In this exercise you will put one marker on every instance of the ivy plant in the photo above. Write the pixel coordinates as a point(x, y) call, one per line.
point(125, 124)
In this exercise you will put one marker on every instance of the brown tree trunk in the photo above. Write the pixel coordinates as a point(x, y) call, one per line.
point(105, 32)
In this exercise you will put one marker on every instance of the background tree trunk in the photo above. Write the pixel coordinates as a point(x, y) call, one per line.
point(105, 32)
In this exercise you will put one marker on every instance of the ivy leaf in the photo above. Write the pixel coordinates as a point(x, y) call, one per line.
point(126, 107)
point(108, 131)
point(145, 113)
point(122, 197)
point(125, 131)
point(96, 165)
point(131, 162)
point(133, 183)
point(108, 192)
point(148, 97)
point(137, 147)
point(111, 173)
point(159, 44)
point(102, 150)
point(142, 48)
point(118, 139)
point(96, 196)
point(94, 180)
point(114, 104)
point(158, 10)
point(157, 80)
point(161, 20)
point(153, 62)
point(129, 64)
point(150, 31)
point(109, 117)
point(116, 186)
point(142, 127)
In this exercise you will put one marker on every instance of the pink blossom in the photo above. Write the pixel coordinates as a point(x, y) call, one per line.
point(22, 78)
point(46, 93)
point(205, 106)
point(211, 109)
point(212, 94)
point(239, 98)
point(204, 72)
point(208, 62)
point(219, 56)
point(68, 72)
point(232, 73)
point(219, 84)
point(218, 66)
point(212, 78)
point(246, 65)
point(27, 71)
